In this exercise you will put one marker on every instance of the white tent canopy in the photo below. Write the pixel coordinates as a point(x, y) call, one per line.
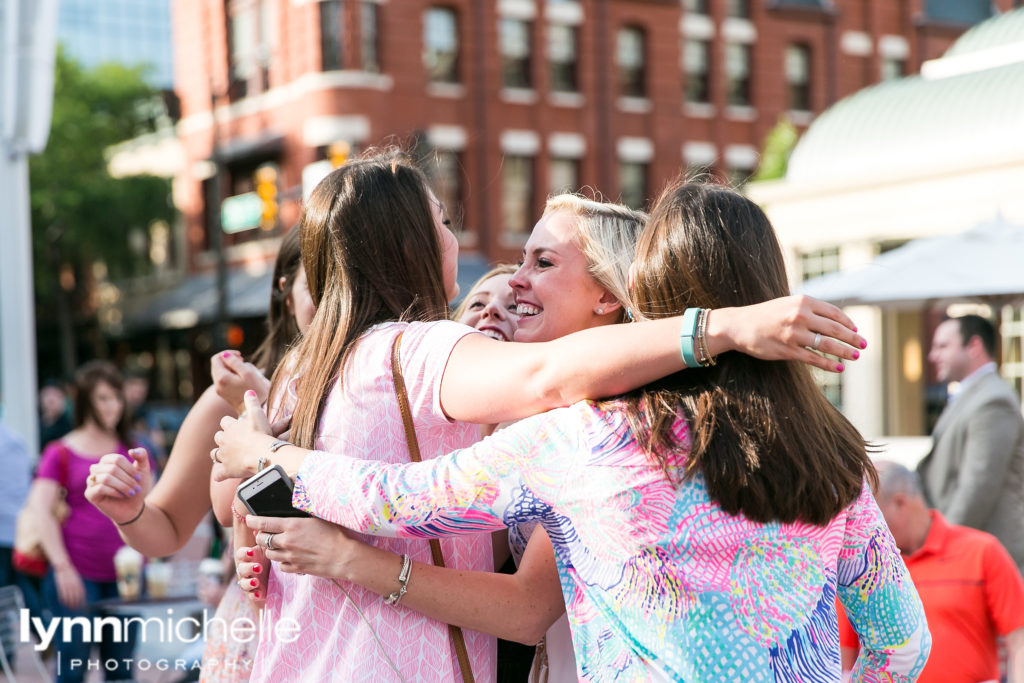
point(985, 262)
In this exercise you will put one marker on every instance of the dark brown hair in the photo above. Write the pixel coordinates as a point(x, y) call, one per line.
point(282, 330)
point(87, 378)
point(766, 440)
point(372, 254)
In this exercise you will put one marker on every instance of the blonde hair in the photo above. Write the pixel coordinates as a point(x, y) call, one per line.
point(500, 269)
point(607, 234)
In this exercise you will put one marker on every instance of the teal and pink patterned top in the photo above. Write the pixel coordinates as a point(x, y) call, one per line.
point(659, 582)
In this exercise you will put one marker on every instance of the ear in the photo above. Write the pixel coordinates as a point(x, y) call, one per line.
point(631, 277)
point(607, 304)
point(281, 282)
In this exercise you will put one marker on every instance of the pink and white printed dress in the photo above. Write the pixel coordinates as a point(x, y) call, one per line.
point(362, 416)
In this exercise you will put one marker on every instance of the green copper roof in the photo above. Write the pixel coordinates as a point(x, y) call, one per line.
point(916, 124)
point(1000, 30)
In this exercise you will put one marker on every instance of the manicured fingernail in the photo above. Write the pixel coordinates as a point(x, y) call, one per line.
point(854, 329)
point(257, 594)
point(227, 354)
point(253, 582)
point(138, 477)
point(839, 367)
point(856, 354)
point(249, 552)
point(250, 394)
point(863, 343)
point(257, 569)
point(132, 492)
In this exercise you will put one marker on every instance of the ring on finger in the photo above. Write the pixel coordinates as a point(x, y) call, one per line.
point(215, 455)
point(91, 480)
point(817, 340)
point(268, 541)
point(241, 415)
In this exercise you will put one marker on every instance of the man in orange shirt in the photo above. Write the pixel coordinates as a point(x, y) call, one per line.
point(970, 587)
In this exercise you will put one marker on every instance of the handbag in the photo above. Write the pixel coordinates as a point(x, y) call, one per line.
point(414, 456)
point(28, 556)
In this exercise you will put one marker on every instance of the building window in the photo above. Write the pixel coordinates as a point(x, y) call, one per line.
point(562, 55)
point(332, 30)
point(563, 175)
point(697, 64)
point(633, 184)
point(445, 174)
point(738, 8)
point(965, 12)
point(517, 195)
point(368, 46)
point(441, 45)
point(630, 58)
point(737, 74)
point(819, 262)
point(815, 264)
point(893, 67)
point(695, 6)
point(798, 77)
point(515, 53)
point(251, 33)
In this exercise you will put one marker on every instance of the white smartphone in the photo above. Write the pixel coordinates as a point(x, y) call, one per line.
point(268, 493)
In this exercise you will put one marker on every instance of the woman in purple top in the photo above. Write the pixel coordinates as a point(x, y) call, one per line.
point(81, 552)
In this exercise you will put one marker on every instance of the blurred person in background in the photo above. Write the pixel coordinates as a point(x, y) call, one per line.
point(969, 585)
point(54, 416)
point(974, 474)
point(146, 435)
point(14, 482)
point(81, 551)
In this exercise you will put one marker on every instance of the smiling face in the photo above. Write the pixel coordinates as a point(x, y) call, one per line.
point(554, 292)
point(491, 308)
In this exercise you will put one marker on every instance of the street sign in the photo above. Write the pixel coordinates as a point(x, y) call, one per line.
point(241, 212)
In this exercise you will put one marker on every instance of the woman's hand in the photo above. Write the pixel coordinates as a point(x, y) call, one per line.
point(240, 442)
point(233, 376)
point(305, 545)
point(789, 328)
point(117, 485)
point(70, 589)
point(253, 569)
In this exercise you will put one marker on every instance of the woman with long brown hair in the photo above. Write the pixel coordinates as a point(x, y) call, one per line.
point(702, 524)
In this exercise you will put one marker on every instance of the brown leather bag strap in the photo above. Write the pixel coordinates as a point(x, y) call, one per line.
point(414, 456)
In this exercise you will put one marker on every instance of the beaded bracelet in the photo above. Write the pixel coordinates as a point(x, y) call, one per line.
point(706, 359)
point(238, 515)
point(403, 582)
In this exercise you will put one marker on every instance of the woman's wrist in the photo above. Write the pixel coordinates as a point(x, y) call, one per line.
point(720, 334)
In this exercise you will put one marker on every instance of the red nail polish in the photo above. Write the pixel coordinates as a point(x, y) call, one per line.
point(839, 367)
point(863, 343)
point(257, 569)
point(856, 354)
point(253, 582)
point(256, 594)
point(249, 552)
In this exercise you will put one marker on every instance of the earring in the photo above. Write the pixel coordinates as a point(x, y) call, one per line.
point(600, 311)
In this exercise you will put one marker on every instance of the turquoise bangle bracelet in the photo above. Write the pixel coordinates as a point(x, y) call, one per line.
point(688, 336)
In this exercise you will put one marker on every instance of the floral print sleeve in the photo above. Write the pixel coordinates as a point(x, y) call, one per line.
point(507, 478)
point(880, 599)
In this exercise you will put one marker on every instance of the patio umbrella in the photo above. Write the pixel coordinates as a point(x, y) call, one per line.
point(986, 262)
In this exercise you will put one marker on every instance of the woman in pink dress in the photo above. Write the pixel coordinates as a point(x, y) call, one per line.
point(377, 251)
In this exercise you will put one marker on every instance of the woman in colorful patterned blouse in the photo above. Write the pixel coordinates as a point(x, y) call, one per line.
point(704, 524)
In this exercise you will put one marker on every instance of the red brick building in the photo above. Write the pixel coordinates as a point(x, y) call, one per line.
point(517, 98)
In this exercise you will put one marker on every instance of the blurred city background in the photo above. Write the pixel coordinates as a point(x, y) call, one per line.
point(185, 134)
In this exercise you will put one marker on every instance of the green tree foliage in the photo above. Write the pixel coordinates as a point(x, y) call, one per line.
point(80, 214)
point(778, 145)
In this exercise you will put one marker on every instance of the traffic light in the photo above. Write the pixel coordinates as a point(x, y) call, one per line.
point(338, 153)
point(266, 189)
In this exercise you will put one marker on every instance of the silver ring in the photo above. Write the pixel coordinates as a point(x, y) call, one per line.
point(215, 456)
point(268, 542)
point(241, 415)
point(817, 340)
